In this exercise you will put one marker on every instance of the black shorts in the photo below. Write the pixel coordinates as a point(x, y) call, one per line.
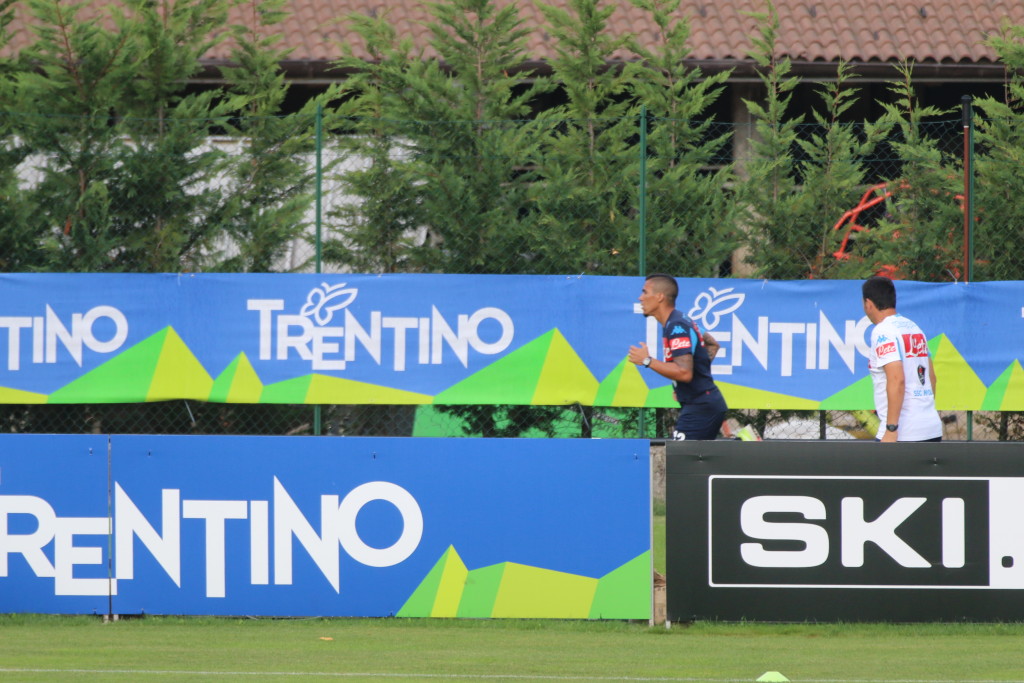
point(701, 419)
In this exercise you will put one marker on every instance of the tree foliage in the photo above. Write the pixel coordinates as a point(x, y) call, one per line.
point(115, 154)
point(921, 234)
point(691, 212)
point(455, 159)
point(999, 168)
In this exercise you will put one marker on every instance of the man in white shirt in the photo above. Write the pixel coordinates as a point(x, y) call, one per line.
point(901, 369)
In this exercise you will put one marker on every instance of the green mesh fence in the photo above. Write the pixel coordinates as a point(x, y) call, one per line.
point(932, 200)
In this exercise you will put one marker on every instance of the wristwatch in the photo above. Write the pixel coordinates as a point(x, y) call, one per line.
point(647, 362)
point(892, 428)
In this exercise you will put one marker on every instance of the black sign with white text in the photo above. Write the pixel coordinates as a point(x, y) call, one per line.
point(789, 531)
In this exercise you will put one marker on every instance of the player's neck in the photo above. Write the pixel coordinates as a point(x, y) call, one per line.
point(886, 313)
point(663, 313)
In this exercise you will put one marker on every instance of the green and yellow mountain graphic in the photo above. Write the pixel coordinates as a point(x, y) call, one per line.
point(544, 371)
point(517, 591)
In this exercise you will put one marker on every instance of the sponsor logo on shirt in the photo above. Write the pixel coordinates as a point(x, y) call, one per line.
point(679, 343)
point(916, 345)
point(885, 349)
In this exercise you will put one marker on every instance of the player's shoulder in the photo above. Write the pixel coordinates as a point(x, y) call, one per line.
point(678, 323)
point(901, 322)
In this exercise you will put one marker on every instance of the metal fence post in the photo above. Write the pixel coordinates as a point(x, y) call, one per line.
point(318, 201)
point(642, 208)
point(968, 120)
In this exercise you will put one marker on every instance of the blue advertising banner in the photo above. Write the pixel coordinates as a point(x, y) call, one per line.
point(477, 339)
point(290, 526)
point(54, 524)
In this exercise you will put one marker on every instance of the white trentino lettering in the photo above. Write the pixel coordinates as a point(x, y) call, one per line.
point(266, 307)
point(820, 340)
point(741, 337)
point(81, 333)
point(400, 325)
point(323, 348)
point(215, 512)
point(282, 335)
point(754, 524)
point(48, 330)
point(442, 332)
point(424, 357)
point(29, 546)
point(472, 332)
point(847, 346)
point(856, 532)
point(259, 542)
point(67, 555)
point(811, 340)
point(38, 340)
point(412, 524)
point(299, 342)
point(14, 326)
point(55, 330)
point(356, 332)
point(787, 330)
point(337, 529)
point(116, 339)
point(323, 548)
point(130, 523)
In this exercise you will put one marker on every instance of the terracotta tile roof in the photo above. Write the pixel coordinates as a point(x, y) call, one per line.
point(936, 31)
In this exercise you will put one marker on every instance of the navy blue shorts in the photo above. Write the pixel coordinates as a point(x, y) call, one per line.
point(701, 419)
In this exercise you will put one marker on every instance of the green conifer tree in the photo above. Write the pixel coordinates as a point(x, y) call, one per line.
point(162, 197)
point(268, 201)
point(81, 69)
point(18, 242)
point(474, 141)
point(691, 222)
point(999, 172)
point(377, 229)
point(770, 196)
point(921, 235)
point(834, 175)
point(120, 186)
point(585, 197)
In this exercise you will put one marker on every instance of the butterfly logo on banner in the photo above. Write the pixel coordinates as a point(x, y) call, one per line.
point(323, 301)
point(710, 306)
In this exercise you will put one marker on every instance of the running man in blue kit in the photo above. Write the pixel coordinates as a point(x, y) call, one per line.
point(687, 361)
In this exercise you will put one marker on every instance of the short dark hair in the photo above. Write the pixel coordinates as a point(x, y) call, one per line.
point(880, 291)
point(666, 284)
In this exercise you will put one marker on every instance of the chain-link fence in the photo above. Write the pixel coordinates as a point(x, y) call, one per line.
point(928, 200)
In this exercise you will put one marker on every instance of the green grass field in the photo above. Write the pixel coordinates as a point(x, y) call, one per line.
point(48, 648)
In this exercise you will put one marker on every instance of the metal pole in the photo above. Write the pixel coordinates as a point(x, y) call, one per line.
point(643, 189)
point(968, 120)
point(317, 410)
point(642, 206)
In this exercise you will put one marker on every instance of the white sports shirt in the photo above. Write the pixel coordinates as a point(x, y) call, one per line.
point(899, 339)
